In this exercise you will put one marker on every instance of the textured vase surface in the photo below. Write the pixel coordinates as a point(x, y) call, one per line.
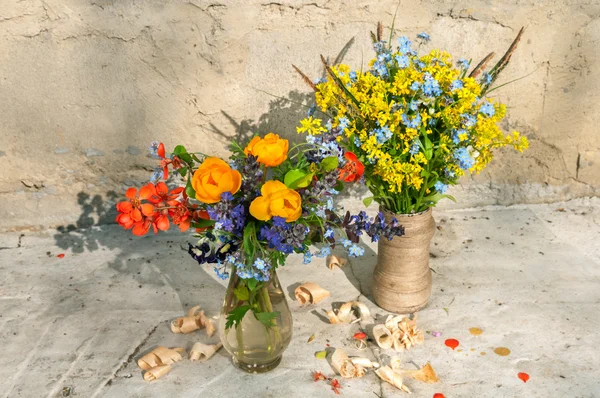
point(402, 277)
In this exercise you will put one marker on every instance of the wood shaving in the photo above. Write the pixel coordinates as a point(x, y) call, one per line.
point(364, 362)
point(387, 374)
point(426, 374)
point(202, 352)
point(335, 261)
point(399, 332)
point(194, 320)
point(310, 293)
point(156, 372)
point(346, 313)
point(383, 336)
point(344, 366)
point(160, 356)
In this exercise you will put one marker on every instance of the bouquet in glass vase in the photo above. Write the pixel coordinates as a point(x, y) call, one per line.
point(249, 214)
point(417, 123)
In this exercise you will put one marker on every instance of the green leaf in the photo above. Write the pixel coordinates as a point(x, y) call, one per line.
point(427, 146)
point(247, 240)
point(436, 197)
point(202, 223)
point(297, 179)
point(339, 186)
point(182, 153)
point(330, 163)
point(367, 201)
point(252, 283)
point(266, 318)
point(179, 149)
point(235, 316)
point(189, 190)
point(182, 171)
point(242, 293)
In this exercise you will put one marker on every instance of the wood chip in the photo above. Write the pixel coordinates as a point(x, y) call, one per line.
point(194, 320)
point(156, 372)
point(310, 293)
point(160, 356)
point(399, 332)
point(344, 366)
point(387, 374)
point(202, 352)
point(335, 261)
point(347, 312)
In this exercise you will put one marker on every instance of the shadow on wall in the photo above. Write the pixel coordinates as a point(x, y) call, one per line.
point(284, 113)
point(282, 118)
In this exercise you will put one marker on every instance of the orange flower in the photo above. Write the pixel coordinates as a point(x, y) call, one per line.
point(270, 150)
point(165, 162)
point(134, 211)
point(276, 200)
point(352, 170)
point(214, 177)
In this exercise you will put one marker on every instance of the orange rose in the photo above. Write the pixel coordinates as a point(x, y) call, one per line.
point(213, 177)
point(270, 150)
point(276, 200)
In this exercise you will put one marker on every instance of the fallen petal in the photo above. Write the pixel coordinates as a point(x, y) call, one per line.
point(523, 376)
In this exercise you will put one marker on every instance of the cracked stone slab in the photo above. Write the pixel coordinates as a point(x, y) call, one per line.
point(526, 275)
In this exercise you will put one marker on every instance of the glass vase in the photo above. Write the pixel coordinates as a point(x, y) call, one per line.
point(255, 347)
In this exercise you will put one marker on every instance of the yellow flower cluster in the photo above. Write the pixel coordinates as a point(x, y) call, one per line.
point(385, 119)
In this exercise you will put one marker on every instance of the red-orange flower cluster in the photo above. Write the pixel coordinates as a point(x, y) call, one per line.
point(162, 205)
point(165, 162)
point(352, 170)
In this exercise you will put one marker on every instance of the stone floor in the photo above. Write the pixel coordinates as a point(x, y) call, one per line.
point(528, 276)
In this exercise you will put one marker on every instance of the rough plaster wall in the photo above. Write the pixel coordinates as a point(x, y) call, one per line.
point(87, 85)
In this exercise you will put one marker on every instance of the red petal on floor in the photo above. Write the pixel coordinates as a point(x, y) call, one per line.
point(61, 255)
point(452, 343)
point(523, 376)
point(438, 395)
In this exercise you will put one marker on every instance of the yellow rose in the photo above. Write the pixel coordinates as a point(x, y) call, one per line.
point(276, 200)
point(270, 150)
point(213, 177)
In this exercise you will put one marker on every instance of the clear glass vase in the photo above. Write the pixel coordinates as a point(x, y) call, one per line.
point(256, 348)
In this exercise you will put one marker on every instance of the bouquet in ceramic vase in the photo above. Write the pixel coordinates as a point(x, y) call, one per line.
point(417, 123)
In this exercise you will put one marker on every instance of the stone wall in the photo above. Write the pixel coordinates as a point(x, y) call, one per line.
point(86, 85)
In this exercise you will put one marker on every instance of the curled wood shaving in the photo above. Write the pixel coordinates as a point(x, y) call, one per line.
point(387, 374)
point(335, 261)
point(310, 293)
point(426, 374)
point(344, 366)
point(194, 320)
point(156, 372)
point(402, 333)
point(364, 362)
point(202, 352)
point(346, 312)
point(383, 336)
point(160, 356)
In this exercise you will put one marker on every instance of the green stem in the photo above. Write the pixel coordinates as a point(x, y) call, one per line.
point(267, 306)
